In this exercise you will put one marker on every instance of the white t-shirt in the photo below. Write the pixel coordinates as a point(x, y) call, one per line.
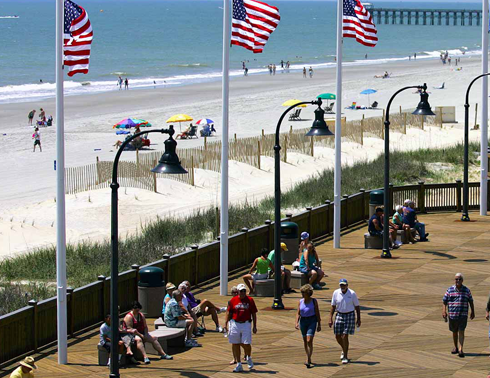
point(345, 302)
point(185, 302)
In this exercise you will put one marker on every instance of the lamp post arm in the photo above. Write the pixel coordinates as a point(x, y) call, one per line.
point(469, 87)
point(169, 131)
point(424, 87)
point(319, 102)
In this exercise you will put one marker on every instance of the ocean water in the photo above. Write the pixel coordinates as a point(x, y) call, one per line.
point(180, 42)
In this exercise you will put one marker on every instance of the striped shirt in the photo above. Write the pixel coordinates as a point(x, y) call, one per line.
point(457, 301)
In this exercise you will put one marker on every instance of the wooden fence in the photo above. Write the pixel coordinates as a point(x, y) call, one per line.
point(32, 327)
point(137, 173)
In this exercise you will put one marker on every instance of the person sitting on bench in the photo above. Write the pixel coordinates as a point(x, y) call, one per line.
point(309, 266)
point(285, 273)
point(398, 222)
point(410, 218)
point(204, 307)
point(135, 322)
point(261, 268)
point(175, 317)
point(375, 227)
point(124, 341)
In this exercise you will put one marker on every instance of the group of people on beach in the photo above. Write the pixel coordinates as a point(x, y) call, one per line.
point(310, 72)
point(270, 67)
point(120, 82)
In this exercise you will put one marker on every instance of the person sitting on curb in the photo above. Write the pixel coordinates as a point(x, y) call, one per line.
point(261, 267)
point(285, 273)
point(375, 227)
point(176, 318)
point(204, 307)
point(135, 322)
point(410, 218)
point(309, 266)
point(25, 369)
point(398, 222)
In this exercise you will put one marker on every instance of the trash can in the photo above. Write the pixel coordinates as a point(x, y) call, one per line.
point(290, 236)
point(376, 199)
point(151, 290)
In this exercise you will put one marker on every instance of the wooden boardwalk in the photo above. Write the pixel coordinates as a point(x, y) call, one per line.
point(402, 333)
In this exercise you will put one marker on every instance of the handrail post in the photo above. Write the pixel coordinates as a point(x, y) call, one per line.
point(101, 279)
point(33, 303)
point(346, 210)
point(363, 202)
point(195, 248)
point(389, 212)
point(458, 196)
point(421, 199)
point(136, 268)
point(70, 311)
point(166, 257)
point(247, 249)
point(327, 223)
point(270, 239)
point(309, 209)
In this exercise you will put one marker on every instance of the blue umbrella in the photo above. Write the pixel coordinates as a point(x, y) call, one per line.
point(368, 92)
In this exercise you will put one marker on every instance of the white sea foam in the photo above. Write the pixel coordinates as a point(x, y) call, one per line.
point(28, 92)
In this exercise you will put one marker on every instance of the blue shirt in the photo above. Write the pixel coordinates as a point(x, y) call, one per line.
point(164, 305)
point(457, 301)
point(372, 227)
point(172, 313)
point(409, 216)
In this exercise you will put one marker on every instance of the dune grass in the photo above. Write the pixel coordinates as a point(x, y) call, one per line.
point(87, 260)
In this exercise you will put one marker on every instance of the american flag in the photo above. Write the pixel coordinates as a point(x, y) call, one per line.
point(252, 24)
point(78, 36)
point(358, 23)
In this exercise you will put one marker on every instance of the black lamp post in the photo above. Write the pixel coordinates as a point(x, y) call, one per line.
point(423, 109)
point(169, 163)
point(465, 217)
point(319, 128)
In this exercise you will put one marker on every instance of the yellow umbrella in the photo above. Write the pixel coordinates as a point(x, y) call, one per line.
point(179, 118)
point(293, 102)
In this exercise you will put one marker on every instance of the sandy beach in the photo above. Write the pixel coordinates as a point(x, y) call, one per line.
point(28, 184)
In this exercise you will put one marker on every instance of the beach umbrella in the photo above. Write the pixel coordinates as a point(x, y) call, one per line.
point(293, 102)
point(204, 121)
point(368, 92)
point(327, 96)
point(131, 122)
point(179, 118)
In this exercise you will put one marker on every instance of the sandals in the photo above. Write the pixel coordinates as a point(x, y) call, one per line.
point(455, 351)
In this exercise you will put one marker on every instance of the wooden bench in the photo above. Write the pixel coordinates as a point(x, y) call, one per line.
point(264, 288)
point(298, 279)
point(372, 242)
point(103, 355)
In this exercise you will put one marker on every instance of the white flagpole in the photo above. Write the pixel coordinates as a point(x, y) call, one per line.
point(224, 150)
point(338, 129)
point(484, 113)
point(60, 191)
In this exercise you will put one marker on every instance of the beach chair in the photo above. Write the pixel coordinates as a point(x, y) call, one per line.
point(294, 116)
point(353, 106)
point(374, 105)
point(329, 108)
point(440, 86)
point(192, 132)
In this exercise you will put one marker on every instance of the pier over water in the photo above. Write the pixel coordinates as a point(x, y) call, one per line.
point(455, 17)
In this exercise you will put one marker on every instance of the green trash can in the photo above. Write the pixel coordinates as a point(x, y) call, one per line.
point(151, 291)
point(290, 236)
point(376, 199)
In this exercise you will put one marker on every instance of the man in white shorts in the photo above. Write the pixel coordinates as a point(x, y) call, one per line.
point(241, 311)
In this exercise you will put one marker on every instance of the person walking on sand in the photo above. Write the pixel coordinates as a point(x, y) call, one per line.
point(30, 116)
point(457, 298)
point(126, 84)
point(37, 140)
point(310, 72)
point(273, 69)
point(344, 301)
point(304, 71)
point(120, 82)
point(241, 310)
point(308, 320)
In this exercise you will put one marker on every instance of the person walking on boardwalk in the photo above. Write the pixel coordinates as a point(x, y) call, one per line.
point(308, 320)
point(241, 310)
point(344, 301)
point(25, 369)
point(456, 299)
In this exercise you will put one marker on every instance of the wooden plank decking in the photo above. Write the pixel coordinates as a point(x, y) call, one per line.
point(402, 333)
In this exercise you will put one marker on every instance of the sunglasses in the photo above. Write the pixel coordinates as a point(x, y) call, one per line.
point(458, 279)
point(243, 291)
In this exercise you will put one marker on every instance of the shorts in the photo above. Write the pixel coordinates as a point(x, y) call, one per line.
point(196, 310)
point(308, 325)
point(458, 324)
point(379, 234)
point(37, 142)
point(344, 324)
point(258, 276)
point(107, 346)
point(182, 323)
point(240, 333)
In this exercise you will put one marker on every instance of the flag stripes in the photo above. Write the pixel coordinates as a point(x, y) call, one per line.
point(358, 23)
point(78, 37)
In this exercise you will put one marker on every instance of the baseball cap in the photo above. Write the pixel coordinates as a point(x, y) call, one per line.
point(343, 281)
point(284, 247)
point(304, 235)
point(241, 287)
point(170, 286)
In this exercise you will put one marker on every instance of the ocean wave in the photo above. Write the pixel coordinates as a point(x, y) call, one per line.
point(188, 65)
point(6, 17)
